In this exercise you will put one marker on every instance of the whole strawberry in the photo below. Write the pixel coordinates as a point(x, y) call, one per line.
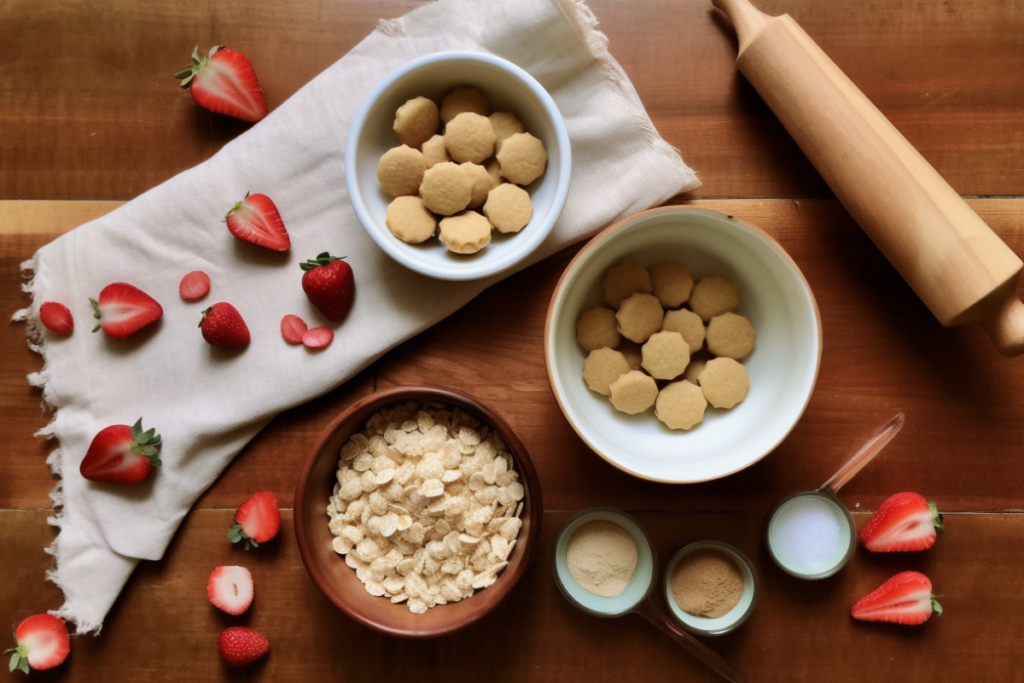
point(120, 454)
point(241, 645)
point(56, 317)
point(224, 82)
point(904, 522)
point(223, 326)
point(43, 643)
point(329, 285)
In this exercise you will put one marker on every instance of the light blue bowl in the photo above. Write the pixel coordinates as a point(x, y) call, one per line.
point(708, 626)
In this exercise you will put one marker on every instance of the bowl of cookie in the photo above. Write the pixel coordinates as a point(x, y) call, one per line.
point(682, 345)
point(457, 165)
point(417, 511)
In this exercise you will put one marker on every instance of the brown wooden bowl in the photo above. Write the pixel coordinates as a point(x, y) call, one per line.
point(338, 581)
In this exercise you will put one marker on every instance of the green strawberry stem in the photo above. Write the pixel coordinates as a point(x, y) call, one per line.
point(936, 607)
point(237, 535)
point(322, 259)
point(19, 660)
point(146, 443)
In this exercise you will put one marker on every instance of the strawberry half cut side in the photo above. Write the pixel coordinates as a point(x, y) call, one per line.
point(904, 522)
point(123, 309)
point(256, 219)
point(120, 454)
point(904, 599)
point(224, 82)
point(43, 643)
point(257, 520)
point(230, 589)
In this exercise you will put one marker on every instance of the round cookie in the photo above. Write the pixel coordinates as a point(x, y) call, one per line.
point(508, 207)
point(724, 382)
point(416, 121)
point(639, 316)
point(713, 295)
point(680, 405)
point(522, 158)
point(481, 184)
point(465, 233)
point(409, 220)
point(505, 125)
point(462, 99)
point(595, 328)
point(469, 137)
point(400, 171)
point(730, 335)
point(434, 151)
point(632, 393)
point(686, 323)
point(633, 353)
point(602, 367)
point(622, 280)
point(665, 355)
point(446, 188)
point(671, 283)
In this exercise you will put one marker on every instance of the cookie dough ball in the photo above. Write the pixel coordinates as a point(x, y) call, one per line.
point(633, 353)
point(434, 151)
point(465, 233)
point(602, 367)
point(622, 280)
point(446, 188)
point(522, 158)
point(686, 323)
point(671, 283)
point(409, 220)
point(494, 171)
point(665, 355)
point(633, 392)
point(639, 317)
point(713, 295)
point(469, 137)
point(477, 175)
point(724, 382)
point(696, 366)
point(463, 99)
point(416, 121)
point(400, 171)
point(680, 405)
point(505, 125)
point(595, 328)
point(730, 335)
point(508, 207)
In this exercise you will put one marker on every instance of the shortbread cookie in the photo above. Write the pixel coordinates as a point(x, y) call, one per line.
point(462, 99)
point(494, 171)
point(686, 323)
point(469, 137)
point(680, 405)
point(400, 171)
point(633, 353)
point(665, 355)
point(724, 382)
point(622, 280)
point(505, 125)
point(508, 207)
point(481, 184)
point(434, 151)
point(713, 295)
point(602, 367)
point(522, 158)
point(633, 392)
point(671, 283)
point(696, 366)
point(639, 316)
point(730, 335)
point(595, 328)
point(416, 121)
point(446, 188)
point(409, 220)
point(465, 233)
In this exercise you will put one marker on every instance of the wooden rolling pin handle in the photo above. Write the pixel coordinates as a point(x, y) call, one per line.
point(1005, 322)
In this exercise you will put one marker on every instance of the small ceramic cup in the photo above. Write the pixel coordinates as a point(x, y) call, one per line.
point(714, 626)
point(818, 508)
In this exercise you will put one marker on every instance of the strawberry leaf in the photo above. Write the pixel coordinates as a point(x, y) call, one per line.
point(936, 607)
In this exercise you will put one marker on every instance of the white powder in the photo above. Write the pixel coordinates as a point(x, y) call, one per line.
point(805, 533)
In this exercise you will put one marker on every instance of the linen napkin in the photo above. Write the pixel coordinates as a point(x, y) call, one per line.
point(207, 404)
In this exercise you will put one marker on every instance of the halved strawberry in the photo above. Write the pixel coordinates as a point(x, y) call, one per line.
point(256, 219)
point(292, 328)
point(43, 643)
point(120, 454)
point(224, 82)
point(241, 645)
point(904, 522)
point(317, 337)
point(230, 589)
point(257, 520)
point(123, 309)
point(904, 599)
point(56, 317)
point(194, 286)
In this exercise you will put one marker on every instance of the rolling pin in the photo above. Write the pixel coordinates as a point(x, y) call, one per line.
point(961, 269)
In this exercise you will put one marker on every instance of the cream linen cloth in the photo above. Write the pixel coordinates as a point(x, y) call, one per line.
point(206, 404)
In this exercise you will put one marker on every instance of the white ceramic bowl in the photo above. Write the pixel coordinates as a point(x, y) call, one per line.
point(782, 368)
point(507, 88)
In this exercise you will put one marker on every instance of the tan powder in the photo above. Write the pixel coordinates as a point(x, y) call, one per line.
point(602, 558)
point(707, 583)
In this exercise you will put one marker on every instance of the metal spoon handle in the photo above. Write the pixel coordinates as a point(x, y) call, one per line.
point(865, 455)
point(649, 611)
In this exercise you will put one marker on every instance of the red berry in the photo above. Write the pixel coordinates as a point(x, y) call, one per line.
point(56, 317)
point(256, 219)
point(230, 589)
point(123, 309)
point(904, 599)
point(241, 645)
point(194, 286)
point(224, 82)
point(120, 454)
point(329, 284)
point(257, 520)
point(318, 337)
point(292, 329)
point(43, 643)
point(904, 522)
point(224, 327)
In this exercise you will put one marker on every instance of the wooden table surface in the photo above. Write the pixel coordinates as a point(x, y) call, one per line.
point(90, 117)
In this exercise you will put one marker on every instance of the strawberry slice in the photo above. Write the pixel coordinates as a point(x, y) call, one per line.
point(257, 520)
point(194, 286)
point(120, 454)
point(224, 82)
point(123, 309)
point(318, 337)
point(230, 589)
point(904, 599)
point(904, 522)
point(256, 219)
point(292, 328)
point(241, 645)
point(43, 643)
point(56, 317)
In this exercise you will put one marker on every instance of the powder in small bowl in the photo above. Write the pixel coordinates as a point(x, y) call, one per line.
point(602, 558)
point(707, 583)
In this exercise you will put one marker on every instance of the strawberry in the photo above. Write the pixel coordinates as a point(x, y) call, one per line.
point(223, 327)
point(905, 521)
point(241, 646)
point(904, 599)
point(329, 285)
point(123, 310)
point(224, 82)
point(194, 286)
point(56, 317)
point(256, 219)
point(292, 329)
point(230, 589)
point(318, 337)
point(120, 454)
point(43, 643)
point(257, 520)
